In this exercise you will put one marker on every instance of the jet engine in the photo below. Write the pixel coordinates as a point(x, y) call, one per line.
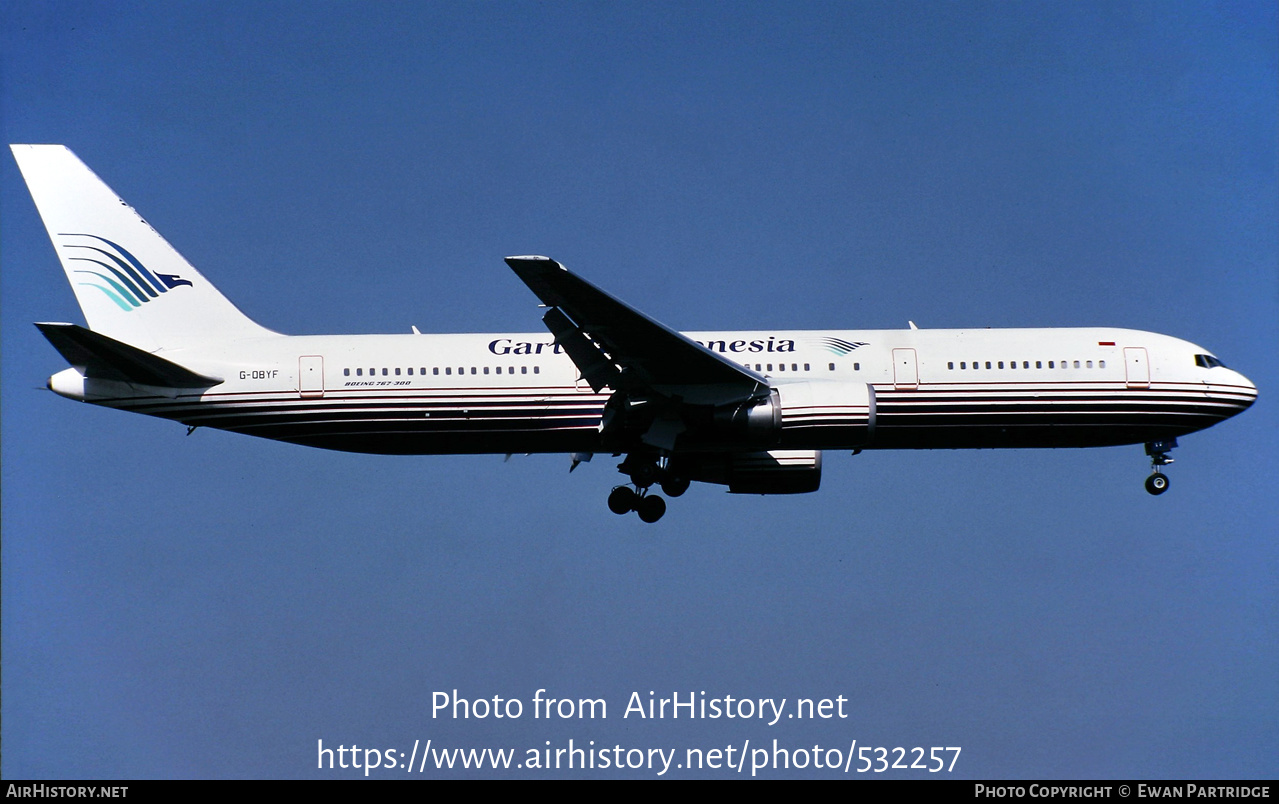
point(797, 416)
point(801, 415)
point(768, 472)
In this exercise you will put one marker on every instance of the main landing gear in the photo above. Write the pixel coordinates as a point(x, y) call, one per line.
point(1158, 451)
point(644, 471)
point(623, 500)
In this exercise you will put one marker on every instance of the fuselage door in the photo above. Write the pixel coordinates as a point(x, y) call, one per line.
point(311, 376)
point(1137, 367)
point(905, 370)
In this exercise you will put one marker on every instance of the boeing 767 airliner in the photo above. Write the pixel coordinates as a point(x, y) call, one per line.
point(750, 410)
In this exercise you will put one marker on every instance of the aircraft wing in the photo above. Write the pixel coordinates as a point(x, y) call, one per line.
point(617, 346)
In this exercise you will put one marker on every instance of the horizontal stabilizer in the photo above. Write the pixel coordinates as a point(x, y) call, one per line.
point(104, 358)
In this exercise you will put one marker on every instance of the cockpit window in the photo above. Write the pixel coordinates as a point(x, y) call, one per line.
point(1208, 361)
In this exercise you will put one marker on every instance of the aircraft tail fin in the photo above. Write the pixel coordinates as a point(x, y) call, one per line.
point(132, 286)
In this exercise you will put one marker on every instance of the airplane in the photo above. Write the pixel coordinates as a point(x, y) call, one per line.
point(752, 410)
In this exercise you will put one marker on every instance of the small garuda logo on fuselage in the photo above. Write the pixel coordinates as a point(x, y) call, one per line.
point(837, 346)
point(119, 274)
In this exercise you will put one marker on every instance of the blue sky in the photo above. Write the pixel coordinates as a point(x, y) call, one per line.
point(212, 606)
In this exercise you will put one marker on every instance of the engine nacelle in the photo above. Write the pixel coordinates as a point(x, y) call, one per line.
point(770, 472)
point(826, 415)
point(756, 422)
point(799, 415)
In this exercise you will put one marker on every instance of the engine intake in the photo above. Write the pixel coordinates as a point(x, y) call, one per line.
point(756, 422)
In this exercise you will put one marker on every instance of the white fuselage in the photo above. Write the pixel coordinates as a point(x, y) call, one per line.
point(506, 393)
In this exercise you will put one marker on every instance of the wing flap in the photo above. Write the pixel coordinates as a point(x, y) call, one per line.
point(596, 367)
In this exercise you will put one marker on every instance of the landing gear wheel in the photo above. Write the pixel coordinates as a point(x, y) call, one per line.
point(621, 500)
point(674, 486)
point(651, 508)
point(1157, 484)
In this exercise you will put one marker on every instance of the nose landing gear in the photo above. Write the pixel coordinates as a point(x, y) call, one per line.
point(1157, 483)
point(1158, 451)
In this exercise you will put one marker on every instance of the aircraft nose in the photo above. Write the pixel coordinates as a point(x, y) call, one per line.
point(1245, 392)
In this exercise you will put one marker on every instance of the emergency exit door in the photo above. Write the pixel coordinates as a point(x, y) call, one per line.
point(311, 376)
point(1137, 366)
point(905, 369)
